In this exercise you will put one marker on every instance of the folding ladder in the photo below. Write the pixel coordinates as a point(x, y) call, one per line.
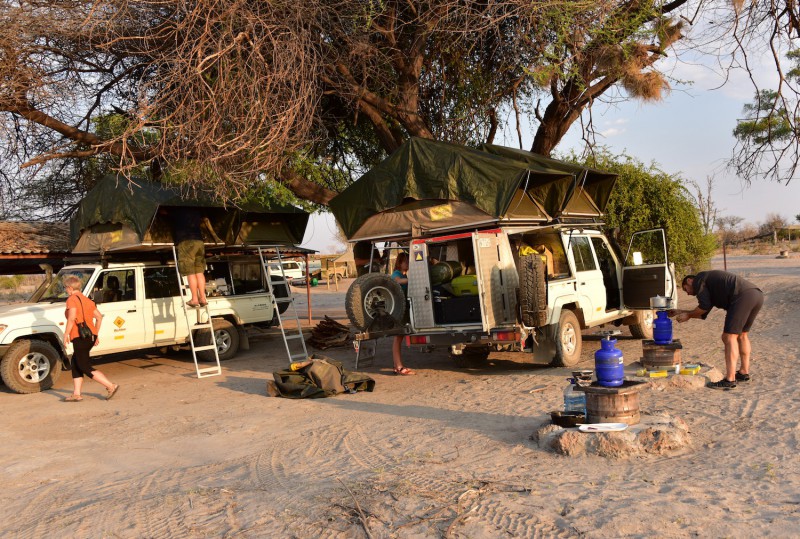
point(296, 335)
point(203, 321)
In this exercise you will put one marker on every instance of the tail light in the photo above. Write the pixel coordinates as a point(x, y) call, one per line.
point(417, 339)
point(505, 336)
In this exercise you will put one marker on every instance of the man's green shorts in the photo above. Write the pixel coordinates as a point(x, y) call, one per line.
point(191, 257)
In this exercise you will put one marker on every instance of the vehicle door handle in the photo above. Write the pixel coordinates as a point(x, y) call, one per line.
point(131, 310)
point(583, 284)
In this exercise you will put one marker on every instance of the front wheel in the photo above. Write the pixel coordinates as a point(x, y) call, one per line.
point(227, 337)
point(643, 327)
point(568, 340)
point(30, 366)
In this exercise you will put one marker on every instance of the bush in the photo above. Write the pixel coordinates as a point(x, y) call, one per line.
point(646, 197)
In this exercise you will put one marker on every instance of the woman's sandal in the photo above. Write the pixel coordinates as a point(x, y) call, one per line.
point(404, 371)
point(112, 392)
point(73, 398)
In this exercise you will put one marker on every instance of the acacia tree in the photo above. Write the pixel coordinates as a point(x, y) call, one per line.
point(302, 95)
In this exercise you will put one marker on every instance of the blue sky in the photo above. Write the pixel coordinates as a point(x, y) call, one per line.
point(689, 133)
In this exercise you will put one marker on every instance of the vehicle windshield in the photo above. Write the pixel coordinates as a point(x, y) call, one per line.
point(56, 290)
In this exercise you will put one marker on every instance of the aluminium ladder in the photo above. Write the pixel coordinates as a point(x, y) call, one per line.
point(277, 302)
point(203, 321)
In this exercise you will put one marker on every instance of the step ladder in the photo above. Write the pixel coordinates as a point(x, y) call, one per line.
point(289, 336)
point(202, 321)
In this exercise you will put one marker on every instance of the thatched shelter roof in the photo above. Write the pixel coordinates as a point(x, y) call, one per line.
point(26, 244)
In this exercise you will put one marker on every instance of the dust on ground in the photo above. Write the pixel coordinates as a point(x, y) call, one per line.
point(445, 453)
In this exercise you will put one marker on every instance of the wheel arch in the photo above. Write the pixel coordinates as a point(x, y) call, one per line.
point(50, 337)
point(570, 305)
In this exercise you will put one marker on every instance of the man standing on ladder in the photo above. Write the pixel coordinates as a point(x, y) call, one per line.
point(187, 224)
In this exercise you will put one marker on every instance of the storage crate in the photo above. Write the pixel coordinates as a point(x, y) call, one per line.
point(466, 285)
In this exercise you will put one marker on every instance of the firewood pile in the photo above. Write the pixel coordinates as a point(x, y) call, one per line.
point(329, 334)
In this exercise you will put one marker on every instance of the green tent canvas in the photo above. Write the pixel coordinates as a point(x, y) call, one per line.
point(120, 215)
point(428, 186)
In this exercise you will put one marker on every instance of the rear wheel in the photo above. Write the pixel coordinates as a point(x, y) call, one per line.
point(643, 328)
point(226, 336)
point(373, 296)
point(30, 366)
point(568, 340)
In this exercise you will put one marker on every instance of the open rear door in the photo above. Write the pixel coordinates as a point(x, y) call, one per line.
point(647, 271)
point(498, 279)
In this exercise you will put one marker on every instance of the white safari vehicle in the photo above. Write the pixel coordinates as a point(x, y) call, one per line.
point(522, 259)
point(124, 233)
point(142, 307)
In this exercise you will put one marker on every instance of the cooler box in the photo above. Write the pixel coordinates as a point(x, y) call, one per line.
point(466, 285)
point(456, 310)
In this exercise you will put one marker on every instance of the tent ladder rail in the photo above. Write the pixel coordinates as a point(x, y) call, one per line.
point(291, 334)
point(203, 322)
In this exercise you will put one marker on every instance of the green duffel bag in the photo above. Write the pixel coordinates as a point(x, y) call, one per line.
point(444, 272)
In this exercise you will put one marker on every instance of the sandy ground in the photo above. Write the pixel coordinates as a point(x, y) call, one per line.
point(445, 453)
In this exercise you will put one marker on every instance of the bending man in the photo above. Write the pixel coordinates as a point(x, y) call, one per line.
point(742, 300)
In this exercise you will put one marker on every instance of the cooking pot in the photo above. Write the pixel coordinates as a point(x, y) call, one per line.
point(660, 302)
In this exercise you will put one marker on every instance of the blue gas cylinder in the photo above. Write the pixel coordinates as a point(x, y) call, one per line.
point(608, 364)
point(662, 328)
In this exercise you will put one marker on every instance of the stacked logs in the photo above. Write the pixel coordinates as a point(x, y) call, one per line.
point(329, 333)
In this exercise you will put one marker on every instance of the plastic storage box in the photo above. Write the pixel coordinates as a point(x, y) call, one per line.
point(466, 285)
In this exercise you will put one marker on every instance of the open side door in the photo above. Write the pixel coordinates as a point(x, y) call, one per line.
point(647, 271)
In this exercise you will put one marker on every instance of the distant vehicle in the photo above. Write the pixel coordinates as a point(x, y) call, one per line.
point(292, 269)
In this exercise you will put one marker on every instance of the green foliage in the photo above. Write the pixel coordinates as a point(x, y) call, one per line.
point(646, 197)
point(10, 282)
point(767, 120)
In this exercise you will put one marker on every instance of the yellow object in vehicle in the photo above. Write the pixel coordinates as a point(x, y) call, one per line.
point(466, 285)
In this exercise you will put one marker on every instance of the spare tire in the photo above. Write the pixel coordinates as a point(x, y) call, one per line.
point(532, 291)
point(372, 296)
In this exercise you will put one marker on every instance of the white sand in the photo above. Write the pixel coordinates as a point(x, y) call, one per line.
point(441, 454)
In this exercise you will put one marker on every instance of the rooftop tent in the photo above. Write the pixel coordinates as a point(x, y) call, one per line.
point(592, 188)
point(435, 185)
point(118, 215)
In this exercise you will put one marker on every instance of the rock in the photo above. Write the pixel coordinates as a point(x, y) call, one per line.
point(613, 444)
point(658, 433)
point(570, 442)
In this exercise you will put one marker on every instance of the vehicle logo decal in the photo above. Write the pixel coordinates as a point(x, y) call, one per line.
point(119, 322)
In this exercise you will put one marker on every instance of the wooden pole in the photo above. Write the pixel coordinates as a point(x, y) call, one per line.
point(724, 256)
point(308, 289)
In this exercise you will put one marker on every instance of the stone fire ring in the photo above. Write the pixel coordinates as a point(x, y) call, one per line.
point(658, 433)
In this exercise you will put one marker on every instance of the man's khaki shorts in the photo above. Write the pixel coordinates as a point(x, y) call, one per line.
point(191, 257)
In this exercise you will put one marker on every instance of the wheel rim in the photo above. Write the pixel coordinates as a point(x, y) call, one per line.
point(34, 367)
point(377, 298)
point(647, 319)
point(569, 341)
point(223, 339)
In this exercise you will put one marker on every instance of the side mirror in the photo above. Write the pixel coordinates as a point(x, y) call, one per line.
point(637, 258)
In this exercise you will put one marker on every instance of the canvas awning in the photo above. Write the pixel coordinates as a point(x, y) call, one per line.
point(429, 185)
point(120, 215)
